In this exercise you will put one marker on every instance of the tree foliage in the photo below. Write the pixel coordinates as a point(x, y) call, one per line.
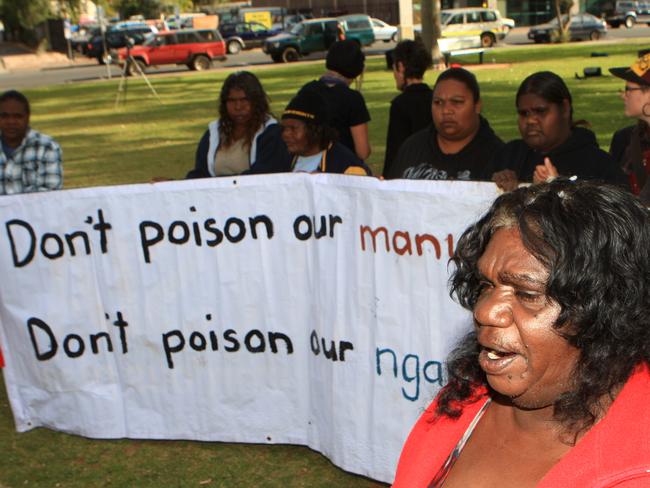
point(20, 15)
point(151, 9)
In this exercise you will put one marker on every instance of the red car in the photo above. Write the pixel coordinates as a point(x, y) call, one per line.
point(195, 48)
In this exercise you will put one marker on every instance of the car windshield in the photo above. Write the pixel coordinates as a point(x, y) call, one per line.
point(444, 16)
point(152, 40)
point(297, 29)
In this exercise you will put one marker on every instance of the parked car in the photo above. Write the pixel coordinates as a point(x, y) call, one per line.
point(582, 27)
point(358, 27)
point(115, 39)
point(479, 27)
point(315, 35)
point(507, 24)
point(383, 31)
point(195, 48)
point(245, 35)
point(625, 12)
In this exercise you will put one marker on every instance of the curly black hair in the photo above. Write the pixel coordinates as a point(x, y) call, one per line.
point(594, 239)
point(259, 100)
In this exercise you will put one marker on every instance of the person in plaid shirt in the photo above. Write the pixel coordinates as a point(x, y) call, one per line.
point(29, 161)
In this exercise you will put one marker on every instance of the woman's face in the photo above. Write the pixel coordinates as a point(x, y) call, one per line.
point(543, 125)
point(455, 114)
point(239, 107)
point(294, 135)
point(523, 357)
point(634, 98)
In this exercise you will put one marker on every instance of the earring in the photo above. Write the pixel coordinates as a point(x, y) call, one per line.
point(645, 110)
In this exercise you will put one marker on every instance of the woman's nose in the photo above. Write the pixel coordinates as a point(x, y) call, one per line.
point(493, 309)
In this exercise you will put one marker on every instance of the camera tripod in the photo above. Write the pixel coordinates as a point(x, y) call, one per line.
point(131, 66)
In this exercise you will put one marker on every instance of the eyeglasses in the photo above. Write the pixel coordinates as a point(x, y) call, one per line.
point(629, 89)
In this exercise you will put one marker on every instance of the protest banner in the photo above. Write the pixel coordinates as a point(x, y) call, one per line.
point(302, 309)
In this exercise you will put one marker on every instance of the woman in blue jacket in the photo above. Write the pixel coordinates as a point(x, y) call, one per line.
point(312, 142)
point(245, 139)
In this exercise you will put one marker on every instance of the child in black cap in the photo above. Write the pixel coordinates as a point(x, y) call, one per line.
point(348, 113)
point(312, 141)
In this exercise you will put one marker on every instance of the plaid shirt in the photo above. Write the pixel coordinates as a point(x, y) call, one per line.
point(36, 165)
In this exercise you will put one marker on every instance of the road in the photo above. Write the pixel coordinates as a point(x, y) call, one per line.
point(92, 71)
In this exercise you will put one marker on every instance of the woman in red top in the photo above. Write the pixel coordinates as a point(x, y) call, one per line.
point(550, 387)
point(631, 146)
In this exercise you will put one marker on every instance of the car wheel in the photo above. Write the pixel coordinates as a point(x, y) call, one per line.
point(488, 39)
point(201, 63)
point(234, 47)
point(594, 35)
point(290, 54)
point(132, 67)
point(629, 22)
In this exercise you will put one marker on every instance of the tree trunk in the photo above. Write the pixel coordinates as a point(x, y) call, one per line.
point(431, 28)
point(564, 26)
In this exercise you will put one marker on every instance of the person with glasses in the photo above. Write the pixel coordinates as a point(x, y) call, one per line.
point(246, 139)
point(630, 146)
point(551, 143)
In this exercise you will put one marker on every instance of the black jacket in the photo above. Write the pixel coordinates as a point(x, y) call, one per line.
point(410, 111)
point(578, 156)
point(338, 158)
point(420, 157)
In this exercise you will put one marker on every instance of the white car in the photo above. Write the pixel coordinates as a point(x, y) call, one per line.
point(508, 24)
point(383, 31)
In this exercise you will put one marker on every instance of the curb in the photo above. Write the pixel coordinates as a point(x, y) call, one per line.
point(35, 62)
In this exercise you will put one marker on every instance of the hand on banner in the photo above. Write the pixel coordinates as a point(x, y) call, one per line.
point(506, 179)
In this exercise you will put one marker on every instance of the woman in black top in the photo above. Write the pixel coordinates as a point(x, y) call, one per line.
point(551, 144)
point(348, 113)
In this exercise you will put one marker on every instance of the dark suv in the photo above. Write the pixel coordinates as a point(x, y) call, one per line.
point(195, 48)
point(626, 12)
point(245, 35)
point(115, 39)
point(316, 35)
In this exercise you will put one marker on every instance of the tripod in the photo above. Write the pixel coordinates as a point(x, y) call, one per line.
point(131, 66)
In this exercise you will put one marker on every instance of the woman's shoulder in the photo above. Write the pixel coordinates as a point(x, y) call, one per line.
point(432, 439)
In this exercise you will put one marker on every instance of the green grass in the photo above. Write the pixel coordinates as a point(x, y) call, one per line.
point(143, 139)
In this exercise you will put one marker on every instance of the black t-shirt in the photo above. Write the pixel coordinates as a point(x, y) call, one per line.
point(347, 107)
point(420, 157)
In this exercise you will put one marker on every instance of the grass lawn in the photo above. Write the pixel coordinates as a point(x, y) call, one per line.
point(144, 139)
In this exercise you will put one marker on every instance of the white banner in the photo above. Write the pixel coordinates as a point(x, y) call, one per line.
point(302, 309)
